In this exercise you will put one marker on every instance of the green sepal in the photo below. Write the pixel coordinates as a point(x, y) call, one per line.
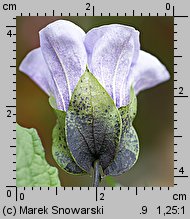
point(128, 152)
point(93, 124)
point(131, 108)
point(60, 150)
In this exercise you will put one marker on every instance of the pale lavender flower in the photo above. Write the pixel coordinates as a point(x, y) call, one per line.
point(111, 52)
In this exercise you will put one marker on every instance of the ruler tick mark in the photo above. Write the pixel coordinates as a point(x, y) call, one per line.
point(181, 16)
point(136, 190)
point(10, 26)
point(96, 194)
point(181, 96)
point(175, 56)
point(11, 106)
point(181, 176)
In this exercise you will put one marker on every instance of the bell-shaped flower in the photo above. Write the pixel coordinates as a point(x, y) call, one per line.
point(111, 52)
point(103, 134)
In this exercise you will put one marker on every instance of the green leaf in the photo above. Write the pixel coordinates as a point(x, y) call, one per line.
point(110, 181)
point(60, 150)
point(93, 124)
point(32, 168)
point(129, 144)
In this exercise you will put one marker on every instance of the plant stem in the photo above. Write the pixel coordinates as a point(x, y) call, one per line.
point(97, 176)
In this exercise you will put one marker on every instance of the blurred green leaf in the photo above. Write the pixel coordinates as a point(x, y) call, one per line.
point(32, 168)
point(128, 151)
point(110, 181)
point(60, 150)
point(93, 124)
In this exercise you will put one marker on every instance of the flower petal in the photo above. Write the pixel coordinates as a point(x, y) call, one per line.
point(147, 72)
point(35, 67)
point(63, 49)
point(111, 51)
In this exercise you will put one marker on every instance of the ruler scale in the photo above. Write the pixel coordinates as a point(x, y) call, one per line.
point(110, 202)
